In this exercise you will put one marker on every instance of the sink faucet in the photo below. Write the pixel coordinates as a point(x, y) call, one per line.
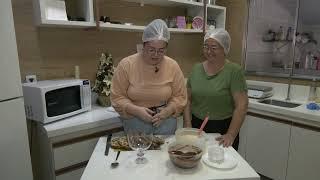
point(289, 88)
point(289, 81)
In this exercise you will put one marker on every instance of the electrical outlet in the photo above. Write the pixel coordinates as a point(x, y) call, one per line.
point(31, 78)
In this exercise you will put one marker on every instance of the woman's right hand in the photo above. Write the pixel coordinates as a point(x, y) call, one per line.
point(144, 114)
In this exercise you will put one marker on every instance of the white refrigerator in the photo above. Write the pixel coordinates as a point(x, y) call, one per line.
point(15, 161)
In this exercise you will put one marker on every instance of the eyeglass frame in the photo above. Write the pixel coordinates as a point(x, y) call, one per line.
point(211, 48)
point(153, 51)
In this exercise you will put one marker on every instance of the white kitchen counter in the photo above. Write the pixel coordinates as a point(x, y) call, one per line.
point(299, 114)
point(97, 117)
point(299, 94)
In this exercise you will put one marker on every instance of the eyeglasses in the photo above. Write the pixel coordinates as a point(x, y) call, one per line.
point(211, 48)
point(154, 51)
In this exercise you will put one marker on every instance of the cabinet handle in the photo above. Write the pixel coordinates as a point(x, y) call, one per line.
point(71, 168)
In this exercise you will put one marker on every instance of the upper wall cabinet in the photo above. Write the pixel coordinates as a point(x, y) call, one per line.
point(126, 15)
point(64, 13)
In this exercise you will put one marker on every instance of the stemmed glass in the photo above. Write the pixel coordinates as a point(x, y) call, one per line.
point(139, 141)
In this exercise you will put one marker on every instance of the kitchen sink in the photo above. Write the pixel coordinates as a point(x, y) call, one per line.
point(279, 103)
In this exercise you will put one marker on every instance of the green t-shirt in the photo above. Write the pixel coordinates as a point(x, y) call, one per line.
point(213, 94)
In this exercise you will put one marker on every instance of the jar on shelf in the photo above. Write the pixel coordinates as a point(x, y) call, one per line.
point(189, 22)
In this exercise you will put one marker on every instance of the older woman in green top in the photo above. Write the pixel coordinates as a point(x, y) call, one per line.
point(217, 88)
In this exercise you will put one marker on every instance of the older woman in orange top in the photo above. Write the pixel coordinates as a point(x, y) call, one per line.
point(148, 89)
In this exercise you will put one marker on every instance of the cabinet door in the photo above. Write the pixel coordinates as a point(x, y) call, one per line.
point(267, 146)
point(243, 139)
point(73, 154)
point(304, 159)
point(73, 175)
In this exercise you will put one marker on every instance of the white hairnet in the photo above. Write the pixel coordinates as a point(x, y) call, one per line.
point(156, 30)
point(220, 35)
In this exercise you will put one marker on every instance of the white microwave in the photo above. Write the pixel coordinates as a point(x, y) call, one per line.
point(52, 100)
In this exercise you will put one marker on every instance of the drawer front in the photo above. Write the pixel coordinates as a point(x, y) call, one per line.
point(73, 175)
point(66, 156)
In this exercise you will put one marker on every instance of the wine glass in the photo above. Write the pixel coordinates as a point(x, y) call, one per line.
point(139, 141)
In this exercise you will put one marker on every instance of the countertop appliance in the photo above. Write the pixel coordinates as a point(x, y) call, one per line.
point(52, 100)
point(15, 153)
point(259, 92)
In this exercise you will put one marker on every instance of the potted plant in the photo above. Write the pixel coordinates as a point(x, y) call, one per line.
point(104, 75)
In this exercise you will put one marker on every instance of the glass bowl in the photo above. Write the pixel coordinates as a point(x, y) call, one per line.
point(184, 155)
point(191, 136)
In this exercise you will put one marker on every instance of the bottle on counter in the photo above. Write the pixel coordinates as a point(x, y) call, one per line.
point(280, 34)
point(308, 61)
point(314, 63)
point(289, 34)
point(318, 63)
point(76, 72)
point(313, 90)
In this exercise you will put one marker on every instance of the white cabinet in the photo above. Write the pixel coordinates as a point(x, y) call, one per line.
point(73, 175)
point(304, 159)
point(62, 149)
point(67, 157)
point(218, 13)
point(76, 153)
point(84, 9)
point(243, 138)
point(281, 149)
point(267, 144)
point(74, 8)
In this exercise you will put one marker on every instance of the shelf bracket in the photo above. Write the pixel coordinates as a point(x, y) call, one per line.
point(96, 10)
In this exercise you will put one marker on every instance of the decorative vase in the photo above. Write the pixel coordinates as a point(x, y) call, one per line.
point(104, 100)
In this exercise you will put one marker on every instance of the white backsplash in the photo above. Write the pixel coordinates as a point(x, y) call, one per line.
point(298, 93)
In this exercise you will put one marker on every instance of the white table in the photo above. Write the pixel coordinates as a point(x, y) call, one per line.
point(158, 167)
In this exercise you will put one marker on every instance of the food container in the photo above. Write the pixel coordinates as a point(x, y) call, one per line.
point(212, 2)
point(191, 136)
point(184, 155)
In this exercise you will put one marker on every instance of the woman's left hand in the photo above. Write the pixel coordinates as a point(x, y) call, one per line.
point(226, 140)
point(157, 118)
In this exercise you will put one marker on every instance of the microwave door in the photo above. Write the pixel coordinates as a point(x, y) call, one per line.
point(63, 101)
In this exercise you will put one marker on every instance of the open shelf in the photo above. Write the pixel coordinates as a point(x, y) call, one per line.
point(172, 3)
point(135, 28)
point(68, 24)
point(84, 9)
point(216, 7)
point(121, 27)
point(218, 13)
point(74, 8)
point(177, 30)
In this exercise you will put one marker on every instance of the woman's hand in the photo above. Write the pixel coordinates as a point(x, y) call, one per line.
point(157, 118)
point(226, 140)
point(144, 114)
